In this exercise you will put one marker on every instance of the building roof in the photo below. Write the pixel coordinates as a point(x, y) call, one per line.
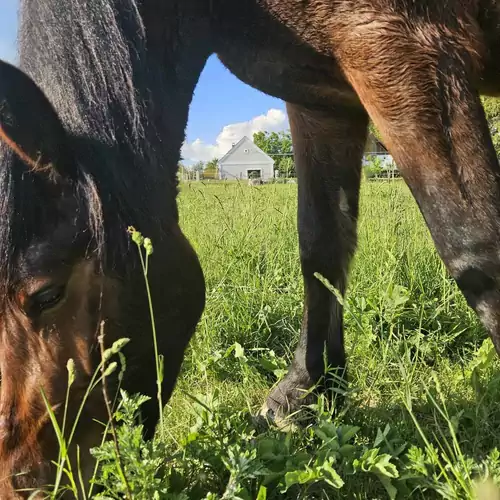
point(241, 143)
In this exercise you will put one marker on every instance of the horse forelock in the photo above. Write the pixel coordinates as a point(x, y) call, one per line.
point(26, 212)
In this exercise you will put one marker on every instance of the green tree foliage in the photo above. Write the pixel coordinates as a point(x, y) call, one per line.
point(492, 110)
point(277, 144)
point(373, 167)
point(374, 131)
point(211, 169)
point(287, 166)
point(198, 167)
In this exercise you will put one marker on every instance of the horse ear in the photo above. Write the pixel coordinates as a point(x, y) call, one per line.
point(29, 125)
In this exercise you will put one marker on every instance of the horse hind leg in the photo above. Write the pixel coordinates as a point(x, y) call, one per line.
point(431, 117)
point(328, 148)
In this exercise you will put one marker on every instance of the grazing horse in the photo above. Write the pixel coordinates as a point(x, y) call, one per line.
point(91, 126)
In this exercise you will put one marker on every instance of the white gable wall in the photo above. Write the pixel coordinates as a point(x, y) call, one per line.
point(241, 171)
point(242, 159)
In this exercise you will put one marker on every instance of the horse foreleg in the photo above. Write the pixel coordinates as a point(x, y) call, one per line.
point(328, 147)
point(423, 99)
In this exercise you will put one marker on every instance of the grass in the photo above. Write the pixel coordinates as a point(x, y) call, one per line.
point(413, 343)
point(422, 413)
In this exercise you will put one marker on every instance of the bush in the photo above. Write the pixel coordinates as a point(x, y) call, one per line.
point(374, 167)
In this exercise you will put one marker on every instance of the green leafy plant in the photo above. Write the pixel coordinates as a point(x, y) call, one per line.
point(421, 415)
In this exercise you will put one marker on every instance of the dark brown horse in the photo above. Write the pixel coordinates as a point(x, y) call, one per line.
point(93, 146)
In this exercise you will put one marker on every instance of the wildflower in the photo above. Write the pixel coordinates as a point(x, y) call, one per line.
point(136, 236)
point(148, 246)
point(70, 366)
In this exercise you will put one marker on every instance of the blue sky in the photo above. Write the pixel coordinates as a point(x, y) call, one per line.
point(223, 108)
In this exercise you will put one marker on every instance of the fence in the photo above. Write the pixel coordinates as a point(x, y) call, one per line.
point(376, 165)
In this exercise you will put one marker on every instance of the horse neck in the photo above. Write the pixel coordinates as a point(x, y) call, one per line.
point(124, 82)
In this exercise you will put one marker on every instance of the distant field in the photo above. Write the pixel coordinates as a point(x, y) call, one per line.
point(422, 416)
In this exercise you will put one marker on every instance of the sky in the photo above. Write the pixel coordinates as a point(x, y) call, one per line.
point(223, 108)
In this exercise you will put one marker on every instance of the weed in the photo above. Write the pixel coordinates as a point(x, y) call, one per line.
point(421, 417)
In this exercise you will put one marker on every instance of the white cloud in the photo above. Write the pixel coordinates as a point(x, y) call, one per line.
point(275, 120)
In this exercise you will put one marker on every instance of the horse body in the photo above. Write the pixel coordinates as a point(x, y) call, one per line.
point(417, 69)
point(103, 154)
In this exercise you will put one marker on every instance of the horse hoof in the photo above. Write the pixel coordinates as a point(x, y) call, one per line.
point(276, 419)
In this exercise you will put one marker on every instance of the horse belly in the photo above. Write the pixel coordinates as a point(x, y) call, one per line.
point(280, 56)
point(295, 74)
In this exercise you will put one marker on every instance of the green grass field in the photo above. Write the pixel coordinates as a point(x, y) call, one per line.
point(421, 418)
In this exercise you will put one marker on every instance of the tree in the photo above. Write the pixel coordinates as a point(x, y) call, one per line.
point(492, 111)
point(199, 166)
point(374, 131)
point(278, 145)
point(287, 166)
point(211, 169)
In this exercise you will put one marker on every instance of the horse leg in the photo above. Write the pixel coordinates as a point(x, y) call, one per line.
point(328, 147)
point(423, 100)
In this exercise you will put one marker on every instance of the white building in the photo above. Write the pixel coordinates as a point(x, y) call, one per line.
point(245, 160)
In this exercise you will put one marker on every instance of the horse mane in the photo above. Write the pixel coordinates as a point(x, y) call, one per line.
point(90, 59)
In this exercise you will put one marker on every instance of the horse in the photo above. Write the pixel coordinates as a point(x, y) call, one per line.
point(91, 127)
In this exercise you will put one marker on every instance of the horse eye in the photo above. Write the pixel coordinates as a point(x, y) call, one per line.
point(48, 297)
